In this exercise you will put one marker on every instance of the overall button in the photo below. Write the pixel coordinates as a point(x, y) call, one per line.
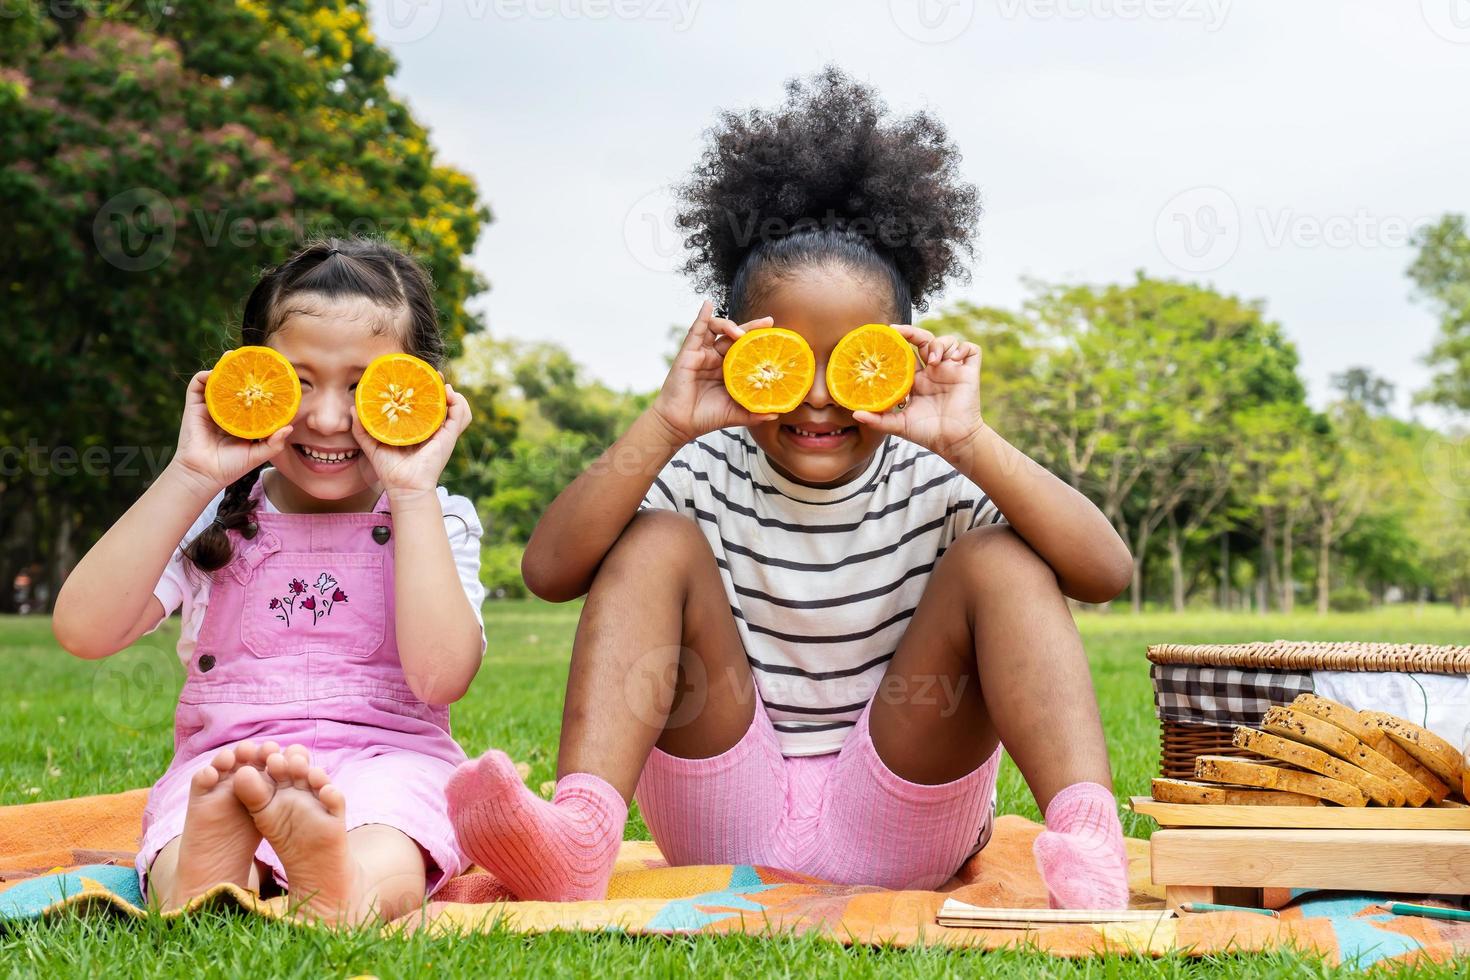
point(381, 533)
point(206, 663)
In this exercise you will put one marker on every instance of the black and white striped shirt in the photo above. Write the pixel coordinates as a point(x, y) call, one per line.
point(822, 582)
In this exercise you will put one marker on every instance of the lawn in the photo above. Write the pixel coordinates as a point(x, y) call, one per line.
point(76, 728)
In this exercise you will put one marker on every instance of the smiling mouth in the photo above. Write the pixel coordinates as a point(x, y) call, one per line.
point(812, 434)
point(341, 456)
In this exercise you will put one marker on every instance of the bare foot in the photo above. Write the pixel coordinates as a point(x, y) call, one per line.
point(300, 812)
point(219, 839)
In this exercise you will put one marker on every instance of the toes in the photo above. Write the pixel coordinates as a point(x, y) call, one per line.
point(476, 779)
point(206, 779)
point(245, 753)
point(278, 766)
point(295, 749)
point(252, 789)
point(316, 778)
point(297, 767)
point(333, 799)
point(498, 768)
point(465, 784)
point(224, 760)
point(267, 749)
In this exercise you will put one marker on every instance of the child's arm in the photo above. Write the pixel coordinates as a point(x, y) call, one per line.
point(584, 521)
point(439, 638)
point(107, 601)
point(1060, 524)
point(438, 634)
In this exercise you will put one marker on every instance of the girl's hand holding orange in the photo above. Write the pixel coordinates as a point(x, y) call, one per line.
point(413, 420)
point(207, 453)
point(693, 399)
point(943, 409)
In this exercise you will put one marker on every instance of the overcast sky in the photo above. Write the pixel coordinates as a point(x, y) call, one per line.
point(1278, 150)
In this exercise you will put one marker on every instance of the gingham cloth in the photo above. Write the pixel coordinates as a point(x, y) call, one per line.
point(1223, 696)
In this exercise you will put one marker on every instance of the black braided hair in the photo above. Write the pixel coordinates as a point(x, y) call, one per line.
point(828, 178)
point(335, 268)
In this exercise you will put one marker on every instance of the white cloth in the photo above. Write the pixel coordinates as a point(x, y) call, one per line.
point(176, 588)
point(1438, 702)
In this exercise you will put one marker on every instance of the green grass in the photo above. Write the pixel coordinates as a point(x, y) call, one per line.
point(76, 728)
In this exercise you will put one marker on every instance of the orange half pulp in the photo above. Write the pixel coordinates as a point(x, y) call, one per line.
point(770, 369)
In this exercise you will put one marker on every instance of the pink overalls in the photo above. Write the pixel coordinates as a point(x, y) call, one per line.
point(298, 646)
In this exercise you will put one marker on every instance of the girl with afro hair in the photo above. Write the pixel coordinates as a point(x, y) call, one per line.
point(807, 636)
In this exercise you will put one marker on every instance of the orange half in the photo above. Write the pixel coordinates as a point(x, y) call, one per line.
point(401, 400)
point(770, 369)
point(252, 391)
point(871, 369)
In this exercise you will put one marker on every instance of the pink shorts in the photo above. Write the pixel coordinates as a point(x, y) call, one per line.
point(842, 817)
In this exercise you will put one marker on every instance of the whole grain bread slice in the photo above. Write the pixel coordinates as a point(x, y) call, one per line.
point(1242, 772)
point(1378, 789)
point(1427, 748)
point(1340, 715)
point(1184, 791)
point(1434, 790)
point(1301, 727)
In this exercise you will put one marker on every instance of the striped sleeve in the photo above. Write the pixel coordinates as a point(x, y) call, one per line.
point(972, 507)
point(673, 489)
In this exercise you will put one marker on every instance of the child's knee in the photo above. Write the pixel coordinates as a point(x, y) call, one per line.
point(996, 554)
point(655, 538)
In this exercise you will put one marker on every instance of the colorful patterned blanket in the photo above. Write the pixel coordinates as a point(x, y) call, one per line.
point(77, 854)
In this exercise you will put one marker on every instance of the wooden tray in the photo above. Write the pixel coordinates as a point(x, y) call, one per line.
point(1303, 817)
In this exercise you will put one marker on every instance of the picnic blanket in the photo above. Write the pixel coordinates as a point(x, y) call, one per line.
point(77, 855)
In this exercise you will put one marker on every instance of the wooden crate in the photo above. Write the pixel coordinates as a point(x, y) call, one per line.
point(1232, 865)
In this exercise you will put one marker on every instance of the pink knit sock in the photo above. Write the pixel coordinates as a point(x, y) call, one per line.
point(562, 851)
point(1081, 853)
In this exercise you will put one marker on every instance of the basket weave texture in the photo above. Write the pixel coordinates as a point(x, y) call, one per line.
point(1313, 655)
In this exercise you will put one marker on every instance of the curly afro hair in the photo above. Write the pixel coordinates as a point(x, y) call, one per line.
point(829, 177)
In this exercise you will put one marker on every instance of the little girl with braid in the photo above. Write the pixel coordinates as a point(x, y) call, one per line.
point(859, 609)
point(331, 612)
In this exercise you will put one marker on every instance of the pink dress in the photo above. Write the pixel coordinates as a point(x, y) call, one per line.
point(298, 645)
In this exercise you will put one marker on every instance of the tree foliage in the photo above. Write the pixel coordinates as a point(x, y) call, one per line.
point(152, 159)
point(1441, 273)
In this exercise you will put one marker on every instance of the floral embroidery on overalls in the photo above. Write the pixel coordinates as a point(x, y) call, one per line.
point(327, 591)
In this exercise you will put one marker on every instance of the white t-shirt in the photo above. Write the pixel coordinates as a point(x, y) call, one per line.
point(821, 582)
point(177, 588)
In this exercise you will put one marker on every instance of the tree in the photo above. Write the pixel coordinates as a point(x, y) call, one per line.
point(1441, 273)
point(1137, 396)
point(1009, 379)
point(152, 159)
point(560, 421)
point(548, 377)
point(1362, 387)
point(1341, 461)
point(1446, 552)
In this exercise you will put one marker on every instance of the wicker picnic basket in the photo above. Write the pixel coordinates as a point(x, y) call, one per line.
point(1202, 692)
